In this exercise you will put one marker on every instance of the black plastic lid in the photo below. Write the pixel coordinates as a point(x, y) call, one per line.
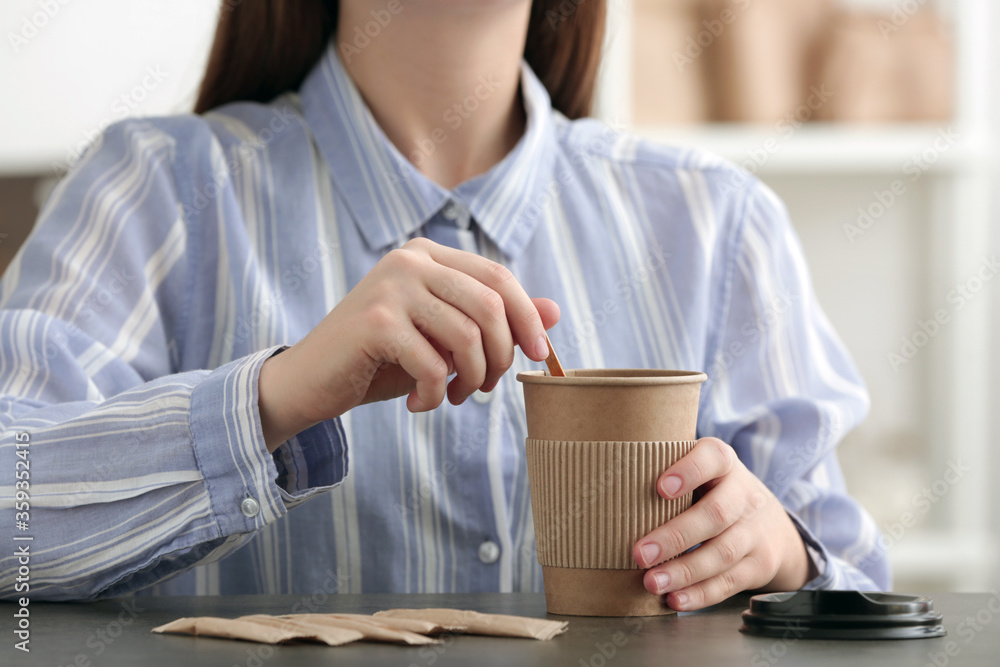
point(842, 615)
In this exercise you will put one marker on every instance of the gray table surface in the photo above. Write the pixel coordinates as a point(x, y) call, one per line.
point(116, 632)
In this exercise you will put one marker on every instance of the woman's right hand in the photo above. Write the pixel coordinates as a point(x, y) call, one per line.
point(423, 312)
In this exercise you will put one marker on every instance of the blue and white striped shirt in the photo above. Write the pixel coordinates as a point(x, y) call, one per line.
point(181, 252)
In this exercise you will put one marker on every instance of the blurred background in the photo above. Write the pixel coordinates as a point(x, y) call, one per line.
point(876, 121)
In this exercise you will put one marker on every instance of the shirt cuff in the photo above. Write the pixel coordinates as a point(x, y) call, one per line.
point(240, 475)
point(819, 558)
point(311, 462)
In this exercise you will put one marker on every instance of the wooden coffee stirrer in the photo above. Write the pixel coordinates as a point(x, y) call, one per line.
point(552, 361)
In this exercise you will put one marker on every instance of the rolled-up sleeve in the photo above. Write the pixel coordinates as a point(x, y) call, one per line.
point(783, 392)
point(137, 471)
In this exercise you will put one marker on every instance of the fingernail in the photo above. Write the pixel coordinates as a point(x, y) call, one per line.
point(542, 348)
point(681, 599)
point(671, 485)
point(662, 581)
point(650, 553)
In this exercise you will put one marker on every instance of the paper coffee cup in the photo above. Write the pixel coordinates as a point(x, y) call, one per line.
point(597, 442)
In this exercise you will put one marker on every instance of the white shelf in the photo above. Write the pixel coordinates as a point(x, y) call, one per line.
point(831, 148)
point(960, 551)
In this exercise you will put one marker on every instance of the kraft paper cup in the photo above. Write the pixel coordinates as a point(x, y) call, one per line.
point(597, 442)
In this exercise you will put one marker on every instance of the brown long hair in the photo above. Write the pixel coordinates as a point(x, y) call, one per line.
point(263, 48)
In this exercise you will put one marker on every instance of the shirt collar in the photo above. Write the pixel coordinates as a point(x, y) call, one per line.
point(390, 199)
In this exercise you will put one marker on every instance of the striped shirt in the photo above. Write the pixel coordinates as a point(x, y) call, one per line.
point(181, 252)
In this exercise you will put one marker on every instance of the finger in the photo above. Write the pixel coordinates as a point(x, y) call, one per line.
point(742, 576)
point(420, 360)
point(719, 509)
point(522, 315)
point(709, 459)
point(449, 360)
point(458, 334)
point(483, 306)
point(710, 559)
point(548, 310)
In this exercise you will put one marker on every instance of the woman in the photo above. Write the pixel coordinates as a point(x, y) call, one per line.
point(355, 219)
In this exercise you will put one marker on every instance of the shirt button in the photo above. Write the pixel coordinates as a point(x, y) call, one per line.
point(450, 211)
point(482, 396)
point(489, 552)
point(250, 507)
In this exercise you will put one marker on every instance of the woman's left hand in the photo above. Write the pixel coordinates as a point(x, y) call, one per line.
point(747, 539)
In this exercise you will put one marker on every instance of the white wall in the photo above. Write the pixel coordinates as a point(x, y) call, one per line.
point(70, 67)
